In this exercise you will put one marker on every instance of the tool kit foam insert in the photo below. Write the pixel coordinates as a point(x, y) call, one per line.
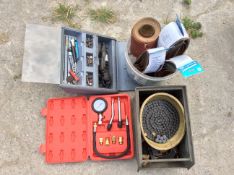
point(73, 124)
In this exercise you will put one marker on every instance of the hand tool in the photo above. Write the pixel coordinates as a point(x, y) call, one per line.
point(112, 115)
point(73, 50)
point(99, 105)
point(74, 75)
point(102, 56)
point(66, 58)
point(119, 114)
point(69, 59)
point(125, 152)
point(104, 74)
point(68, 54)
point(77, 50)
point(70, 79)
point(72, 63)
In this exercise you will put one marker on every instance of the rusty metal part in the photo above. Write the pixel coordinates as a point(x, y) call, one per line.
point(89, 79)
point(144, 35)
point(145, 157)
point(89, 59)
point(120, 140)
point(76, 78)
point(107, 141)
point(70, 79)
point(89, 41)
point(101, 141)
point(113, 139)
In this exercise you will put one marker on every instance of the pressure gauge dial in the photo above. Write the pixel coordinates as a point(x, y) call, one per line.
point(99, 105)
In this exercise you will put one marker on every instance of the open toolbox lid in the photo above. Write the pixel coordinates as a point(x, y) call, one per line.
point(69, 129)
point(42, 54)
point(43, 58)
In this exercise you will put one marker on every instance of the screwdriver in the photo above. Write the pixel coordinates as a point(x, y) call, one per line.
point(73, 50)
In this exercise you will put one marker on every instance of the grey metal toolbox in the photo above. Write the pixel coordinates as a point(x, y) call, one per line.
point(45, 59)
point(186, 158)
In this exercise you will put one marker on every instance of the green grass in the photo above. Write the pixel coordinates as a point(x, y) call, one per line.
point(103, 15)
point(192, 27)
point(65, 13)
point(187, 2)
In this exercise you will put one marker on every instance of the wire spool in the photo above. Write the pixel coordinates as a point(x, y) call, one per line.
point(170, 102)
point(144, 35)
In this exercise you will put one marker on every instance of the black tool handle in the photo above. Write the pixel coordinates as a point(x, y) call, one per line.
point(120, 124)
point(73, 53)
point(109, 126)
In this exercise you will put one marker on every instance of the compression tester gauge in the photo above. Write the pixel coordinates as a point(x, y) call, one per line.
point(99, 106)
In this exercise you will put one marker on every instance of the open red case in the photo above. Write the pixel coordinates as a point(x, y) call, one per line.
point(70, 129)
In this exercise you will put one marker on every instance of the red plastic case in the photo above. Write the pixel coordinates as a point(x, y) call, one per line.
point(69, 129)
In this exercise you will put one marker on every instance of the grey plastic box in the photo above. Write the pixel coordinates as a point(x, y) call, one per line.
point(185, 147)
point(44, 56)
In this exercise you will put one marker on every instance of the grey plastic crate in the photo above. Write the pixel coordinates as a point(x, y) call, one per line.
point(45, 59)
point(185, 147)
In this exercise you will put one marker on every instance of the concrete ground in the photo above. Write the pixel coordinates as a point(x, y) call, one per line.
point(211, 94)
